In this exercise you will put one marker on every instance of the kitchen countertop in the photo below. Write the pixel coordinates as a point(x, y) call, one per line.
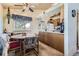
point(52, 32)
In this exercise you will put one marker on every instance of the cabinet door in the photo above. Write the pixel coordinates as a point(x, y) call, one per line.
point(42, 36)
point(56, 41)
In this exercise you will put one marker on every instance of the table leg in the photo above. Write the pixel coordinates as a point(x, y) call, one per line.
point(20, 48)
point(38, 47)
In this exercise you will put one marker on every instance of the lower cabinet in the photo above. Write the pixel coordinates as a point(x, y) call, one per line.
point(55, 40)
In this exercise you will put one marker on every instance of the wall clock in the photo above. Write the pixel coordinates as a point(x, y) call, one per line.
point(73, 13)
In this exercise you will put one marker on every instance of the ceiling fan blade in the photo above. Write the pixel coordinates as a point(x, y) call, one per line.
point(19, 5)
point(23, 10)
point(23, 4)
point(31, 9)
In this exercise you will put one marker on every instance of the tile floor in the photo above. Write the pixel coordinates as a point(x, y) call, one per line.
point(45, 50)
point(77, 53)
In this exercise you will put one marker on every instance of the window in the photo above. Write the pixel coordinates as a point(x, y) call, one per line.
point(22, 25)
point(22, 22)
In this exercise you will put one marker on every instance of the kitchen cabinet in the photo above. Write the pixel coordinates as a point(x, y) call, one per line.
point(55, 40)
point(58, 18)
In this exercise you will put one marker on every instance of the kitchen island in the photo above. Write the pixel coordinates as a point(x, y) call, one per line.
point(53, 39)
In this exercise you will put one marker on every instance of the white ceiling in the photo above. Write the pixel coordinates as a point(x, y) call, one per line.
point(35, 6)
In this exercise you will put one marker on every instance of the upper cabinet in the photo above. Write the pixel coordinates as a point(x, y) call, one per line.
point(58, 17)
point(62, 14)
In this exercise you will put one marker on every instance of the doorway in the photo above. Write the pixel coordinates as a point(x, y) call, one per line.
point(78, 30)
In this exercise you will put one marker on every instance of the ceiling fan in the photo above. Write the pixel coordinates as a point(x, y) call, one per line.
point(25, 7)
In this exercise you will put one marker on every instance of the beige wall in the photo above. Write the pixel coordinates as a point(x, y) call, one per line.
point(10, 27)
point(34, 15)
point(1, 10)
point(1, 18)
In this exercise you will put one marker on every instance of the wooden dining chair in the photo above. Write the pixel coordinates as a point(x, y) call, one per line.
point(14, 45)
point(31, 45)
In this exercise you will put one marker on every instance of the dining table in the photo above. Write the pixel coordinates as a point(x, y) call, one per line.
point(21, 38)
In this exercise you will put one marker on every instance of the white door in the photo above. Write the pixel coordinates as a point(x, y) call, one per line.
point(78, 28)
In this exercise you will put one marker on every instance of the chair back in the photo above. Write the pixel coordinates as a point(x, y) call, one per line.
point(30, 42)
